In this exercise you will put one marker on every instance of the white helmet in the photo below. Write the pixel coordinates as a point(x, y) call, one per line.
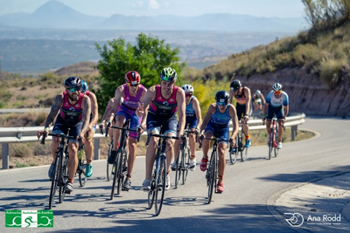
point(187, 88)
point(258, 92)
point(277, 87)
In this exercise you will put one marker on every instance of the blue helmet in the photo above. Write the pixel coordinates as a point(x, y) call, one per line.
point(84, 86)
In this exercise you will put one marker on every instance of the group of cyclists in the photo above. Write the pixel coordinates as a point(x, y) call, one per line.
point(161, 109)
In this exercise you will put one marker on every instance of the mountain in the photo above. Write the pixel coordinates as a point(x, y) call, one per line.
point(52, 14)
point(55, 15)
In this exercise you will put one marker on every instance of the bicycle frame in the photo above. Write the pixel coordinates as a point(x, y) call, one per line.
point(273, 136)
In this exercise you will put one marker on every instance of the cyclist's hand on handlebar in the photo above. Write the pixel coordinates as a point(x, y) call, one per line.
point(232, 141)
point(140, 130)
point(81, 138)
point(245, 119)
point(41, 132)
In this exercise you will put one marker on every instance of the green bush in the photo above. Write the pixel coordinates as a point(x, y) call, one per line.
point(21, 150)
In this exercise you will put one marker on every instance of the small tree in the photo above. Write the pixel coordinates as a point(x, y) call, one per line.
point(148, 56)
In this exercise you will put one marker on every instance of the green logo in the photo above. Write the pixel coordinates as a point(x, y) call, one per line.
point(29, 218)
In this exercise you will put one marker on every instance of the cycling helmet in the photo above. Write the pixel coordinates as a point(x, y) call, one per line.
point(277, 87)
point(222, 96)
point(235, 84)
point(258, 92)
point(84, 86)
point(187, 88)
point(133, 77)
point(168, 74)
point(72, 82)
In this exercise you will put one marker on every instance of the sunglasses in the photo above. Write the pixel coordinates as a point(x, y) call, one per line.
point(188, 95)
point(221, 103)
point(74, 89)
point(133, 84)
point(277, 92)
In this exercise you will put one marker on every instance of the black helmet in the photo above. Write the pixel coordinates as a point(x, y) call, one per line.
point(222, 96)
point(72, 82)
point(235, 84)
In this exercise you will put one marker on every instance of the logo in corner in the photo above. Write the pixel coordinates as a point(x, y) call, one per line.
point(294, 219)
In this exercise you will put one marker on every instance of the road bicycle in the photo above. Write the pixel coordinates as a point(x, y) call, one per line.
point(241, 148)
point(183, 159)
point(119, 166)
point(81, 166)
point(110, 167)
point(59, 175)
point(272, 138)
point(212, 174)
point(158, 178)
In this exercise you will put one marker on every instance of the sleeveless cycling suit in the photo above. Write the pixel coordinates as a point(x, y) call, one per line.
point(241, 104)
point(69, 117)
point(71, 113)
point(128, 107)
point(162, 112)
point(164, 107)
point(219, 124)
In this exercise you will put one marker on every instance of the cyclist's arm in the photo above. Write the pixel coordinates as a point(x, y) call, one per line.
point(249, 98)
point(108, 110)
point(211, 111)
point(286, 110)
point(181, 103)
point(85, 115)
point(118, 94)
point(94, 109)
point(146, 100)
point(262, 99)
point(57, 104)
point(197, 109)
point(265, 109)
point(234, 118)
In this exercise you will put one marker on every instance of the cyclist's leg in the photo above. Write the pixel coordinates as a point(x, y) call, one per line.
point(132, 144)
point(269, 117)
point(59, 127)
point(279, 116)
point(89, 146)
point(208, 133)
point(170, 129)
point(152, 126)
point(176, 147)
point(121, 116)
point(223, 133)
point(192, 138)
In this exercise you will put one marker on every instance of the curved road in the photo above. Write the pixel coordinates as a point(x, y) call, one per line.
point(243, 207)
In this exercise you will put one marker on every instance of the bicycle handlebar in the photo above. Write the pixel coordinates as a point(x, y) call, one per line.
point(107, 128)
point(43, 138)
point(159, 136)
point(212, 139)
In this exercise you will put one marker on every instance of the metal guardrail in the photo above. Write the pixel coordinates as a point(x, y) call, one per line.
point(28, 134)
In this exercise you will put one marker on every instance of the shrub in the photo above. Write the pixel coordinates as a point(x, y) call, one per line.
point(330, 70)
point(21, 150)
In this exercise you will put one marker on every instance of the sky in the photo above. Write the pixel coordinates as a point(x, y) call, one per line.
point(106, 8)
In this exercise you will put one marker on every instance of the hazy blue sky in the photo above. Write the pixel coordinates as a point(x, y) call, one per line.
point(261, 8)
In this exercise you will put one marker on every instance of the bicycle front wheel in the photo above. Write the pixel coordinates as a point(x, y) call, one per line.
point(82, 176)
point(244, 154)
point(177, 170)
point(54, 182)
point(211, 176)
point(109, 166)
point(117, 172)
point(160, 185)
point(185, 165)
point(151, 193)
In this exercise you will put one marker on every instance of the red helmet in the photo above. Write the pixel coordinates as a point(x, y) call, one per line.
point(133, 78)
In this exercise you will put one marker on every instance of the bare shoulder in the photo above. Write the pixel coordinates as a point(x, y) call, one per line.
point(152, 89)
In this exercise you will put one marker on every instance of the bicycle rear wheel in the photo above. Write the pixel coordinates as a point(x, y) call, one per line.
point(109, 166)
point(160, 185)
point(117, 171)
point(82, 176)
point(211, 176)
point(151, 193)
point(63, 178)
point(55, 179)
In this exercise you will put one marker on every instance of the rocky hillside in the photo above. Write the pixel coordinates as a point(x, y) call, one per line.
point(306, 92)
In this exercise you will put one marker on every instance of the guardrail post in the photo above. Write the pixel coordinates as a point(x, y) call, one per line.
point(5, 156)
point(294, 132)
point(96, 148)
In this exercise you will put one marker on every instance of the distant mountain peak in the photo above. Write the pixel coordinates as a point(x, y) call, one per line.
point(54, 6)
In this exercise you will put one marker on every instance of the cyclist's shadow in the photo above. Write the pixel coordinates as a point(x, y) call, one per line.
point(185, 201)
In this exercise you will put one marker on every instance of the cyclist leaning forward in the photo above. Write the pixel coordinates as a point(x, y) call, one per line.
point(277, 102)
point(243, 98)
point(74, 110)
point(216, 123)
point(92, 128)
point(132, 92)
point(165, 101)
point(193, 121)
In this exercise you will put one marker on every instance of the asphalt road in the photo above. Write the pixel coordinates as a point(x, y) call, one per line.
point(245, 205)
